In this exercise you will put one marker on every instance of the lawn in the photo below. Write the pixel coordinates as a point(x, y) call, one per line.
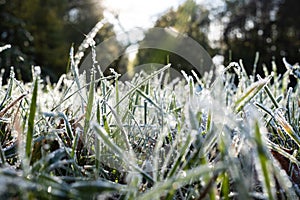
point(233, 137)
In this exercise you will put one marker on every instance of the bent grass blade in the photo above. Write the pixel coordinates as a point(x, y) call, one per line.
point(252, 90)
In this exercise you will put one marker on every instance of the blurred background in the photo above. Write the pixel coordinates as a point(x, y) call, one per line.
point(41, 32)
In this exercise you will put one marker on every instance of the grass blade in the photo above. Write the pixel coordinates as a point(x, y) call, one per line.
point(89, 106)
point(102, 134)
point(89, 189)
point(287, 127)
point(250, 93)
point(30, 122)
point(268, 91)
point(264, 163)
point(144, 81)
point(9, 89)
point(191, 176)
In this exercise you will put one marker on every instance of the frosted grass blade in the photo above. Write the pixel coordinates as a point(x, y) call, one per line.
point(191, 176)
point(144, 81)
point(250, 93)
point(103, 137)
point(89, 107)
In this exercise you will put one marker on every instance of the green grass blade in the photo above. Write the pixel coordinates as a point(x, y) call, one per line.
point(98, 113)
point(30, 122)
point(74, 145)
point(264, 162)
point(288, 108)
point(225, 189)
point(2, 156)
point(90, 189)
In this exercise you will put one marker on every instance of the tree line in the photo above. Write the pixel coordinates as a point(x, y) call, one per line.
point(41, 32)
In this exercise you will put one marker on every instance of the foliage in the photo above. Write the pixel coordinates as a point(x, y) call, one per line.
point(44, 21)
point(42, 32)
point(80, 17)
point(14, 32)
point(268, 27)
point(189, 19)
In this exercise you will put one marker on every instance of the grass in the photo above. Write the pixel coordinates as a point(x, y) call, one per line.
point(150, 140)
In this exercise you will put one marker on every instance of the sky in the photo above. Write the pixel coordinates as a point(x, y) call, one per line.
point(144, 13)
point(139, 13)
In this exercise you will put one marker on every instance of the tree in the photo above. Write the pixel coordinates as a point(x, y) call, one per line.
point(288, 30)
point(81, 17)
point(14, 32)
point(41, 32)
point(267, 27)
point(189, 19)
point(44, 19)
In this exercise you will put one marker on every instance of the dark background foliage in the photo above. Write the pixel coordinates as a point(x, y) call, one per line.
point(268, 27)
point(41, 32)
